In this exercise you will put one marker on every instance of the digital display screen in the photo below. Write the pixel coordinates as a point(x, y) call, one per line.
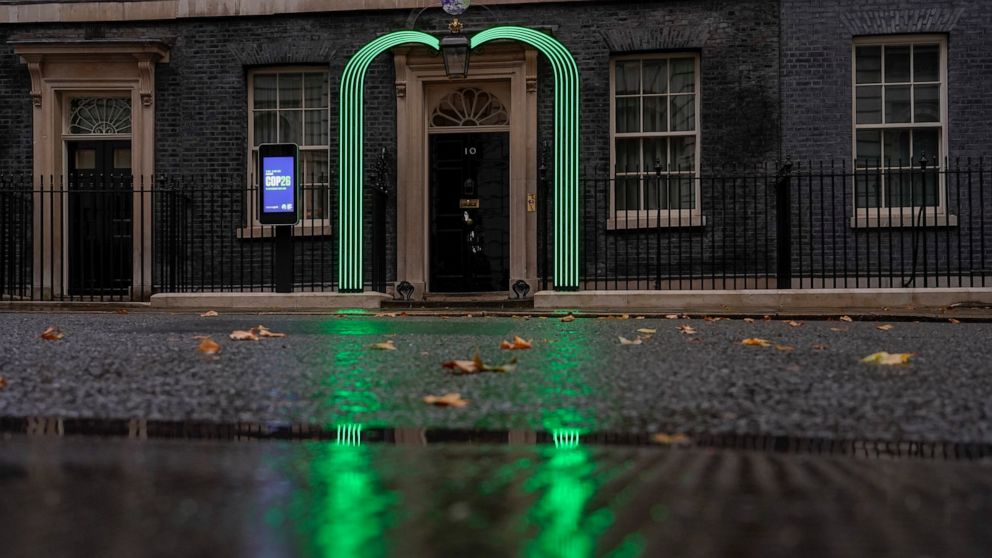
point(278, 185)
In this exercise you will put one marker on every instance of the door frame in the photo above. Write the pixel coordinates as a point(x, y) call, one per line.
point(418, 68)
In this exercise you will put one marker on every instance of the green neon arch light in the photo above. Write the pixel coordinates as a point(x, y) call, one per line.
point(351, 136)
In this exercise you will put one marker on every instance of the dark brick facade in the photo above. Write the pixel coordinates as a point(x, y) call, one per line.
point(775, 81)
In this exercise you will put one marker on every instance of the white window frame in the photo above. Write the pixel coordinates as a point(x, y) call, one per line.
point(306, 227)
point(649, 218)
point(883, 215)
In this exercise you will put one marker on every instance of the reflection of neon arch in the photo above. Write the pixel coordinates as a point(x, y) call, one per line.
point(351, 137)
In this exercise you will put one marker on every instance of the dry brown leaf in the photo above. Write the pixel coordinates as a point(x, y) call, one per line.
point(3, 383)
point(567, 318)
point(953, 321)
point(209, 314)
point(794, 323)
point(819, 347)
point(713, 318)
point(838, 329)
point(635, 341)
point(885, 327)
point(638, 317)
point(671, 316)
point(647, 330)
point(687, 329)
point(756, 342)
point(262, 331)
point(446, 400)
point(749, 320)
point(384, 315)
point(785, 348)
point(384, 346)
point(477, 365)
point(671, 439)
point(884, 358)
point(846, 319)
point(766, 317)
point(208, 346)
point(461, 366)
point(121, 311)
point(242, 335)
point(52, 333)
point(518, 343)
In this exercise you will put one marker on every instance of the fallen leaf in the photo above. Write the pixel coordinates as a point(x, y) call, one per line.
point(635, 341)
point(384, 315)
point(208, 346)
point(446, 400)
point(384, 346)
point(477, 365)
point(242, 335)
point(463, 366)
point(567, 318)
point(713, 318)
point(953, 321)
point(209, 314)
point(819, 347)
point(121, 311)
point(838, 329)
point(793, 323)
point(687, 329)
point(766, 317)
point(884, 358)
point(756, 342)
point(671, 316)
point(262, 331)
point(647, 330)
point(785, 348)
point(3, 383)
point(749, 320)
point(52, 333)
point(518, 343)
point(638, 317)
point(846, 319)
point(885, 327)
point(671, 439)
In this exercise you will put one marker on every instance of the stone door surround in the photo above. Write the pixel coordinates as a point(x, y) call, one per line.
point(510, 72)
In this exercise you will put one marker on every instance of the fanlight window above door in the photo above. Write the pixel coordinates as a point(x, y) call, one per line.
point(469, 106)
point(99, 116)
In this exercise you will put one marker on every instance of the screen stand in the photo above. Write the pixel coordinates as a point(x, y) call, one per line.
point(284, 259)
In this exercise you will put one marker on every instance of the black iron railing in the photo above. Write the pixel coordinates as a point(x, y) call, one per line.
point(797, 225)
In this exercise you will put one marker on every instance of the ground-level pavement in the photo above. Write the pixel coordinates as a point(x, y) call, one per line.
point(145, 365)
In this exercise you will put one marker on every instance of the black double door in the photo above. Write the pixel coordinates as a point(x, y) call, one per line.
point(100, 216)
point(469, 220)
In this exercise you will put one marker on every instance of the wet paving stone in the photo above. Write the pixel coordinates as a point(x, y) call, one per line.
point(93, 496)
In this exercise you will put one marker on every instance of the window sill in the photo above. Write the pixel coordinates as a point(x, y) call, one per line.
point(257, 232)
point(904, 220)
point(655, 222)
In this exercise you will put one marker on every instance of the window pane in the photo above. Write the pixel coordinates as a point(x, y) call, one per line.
point(315, 91)
point(897, 64)
point(897, 106)
point(652, 183)
point(869, 148)
point(265, 92)
point(927, 143)
point(655, 76)
point(868, 64)
point(290, 90)
point(628, 158)
point(655, 116)
point(681, 192)
point(315, 189)
point(628, 78)
point(926, 63)
point(897, 152)
point(316, 127)
point(927, 103)
point(866, 188)
point(627, 195)
point(655, 153)
point(899, 186)
point(265, 127)
point(683, 75)
point(290, 126)
point(628, 114)
point(683, 153)
point(869, 104)
point(683, 112)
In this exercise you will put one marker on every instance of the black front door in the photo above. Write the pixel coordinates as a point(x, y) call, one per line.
point(99, 217)
point(470, 223)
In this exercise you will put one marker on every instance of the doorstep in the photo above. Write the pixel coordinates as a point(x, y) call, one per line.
point(767, 300)
point(268, 301)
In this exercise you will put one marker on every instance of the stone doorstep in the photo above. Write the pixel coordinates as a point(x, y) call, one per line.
point(762, 301)
point(268, 301)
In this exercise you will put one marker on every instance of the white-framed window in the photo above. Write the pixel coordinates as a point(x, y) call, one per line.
point(654, 133)
point(899, 95)
point(292, 105)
